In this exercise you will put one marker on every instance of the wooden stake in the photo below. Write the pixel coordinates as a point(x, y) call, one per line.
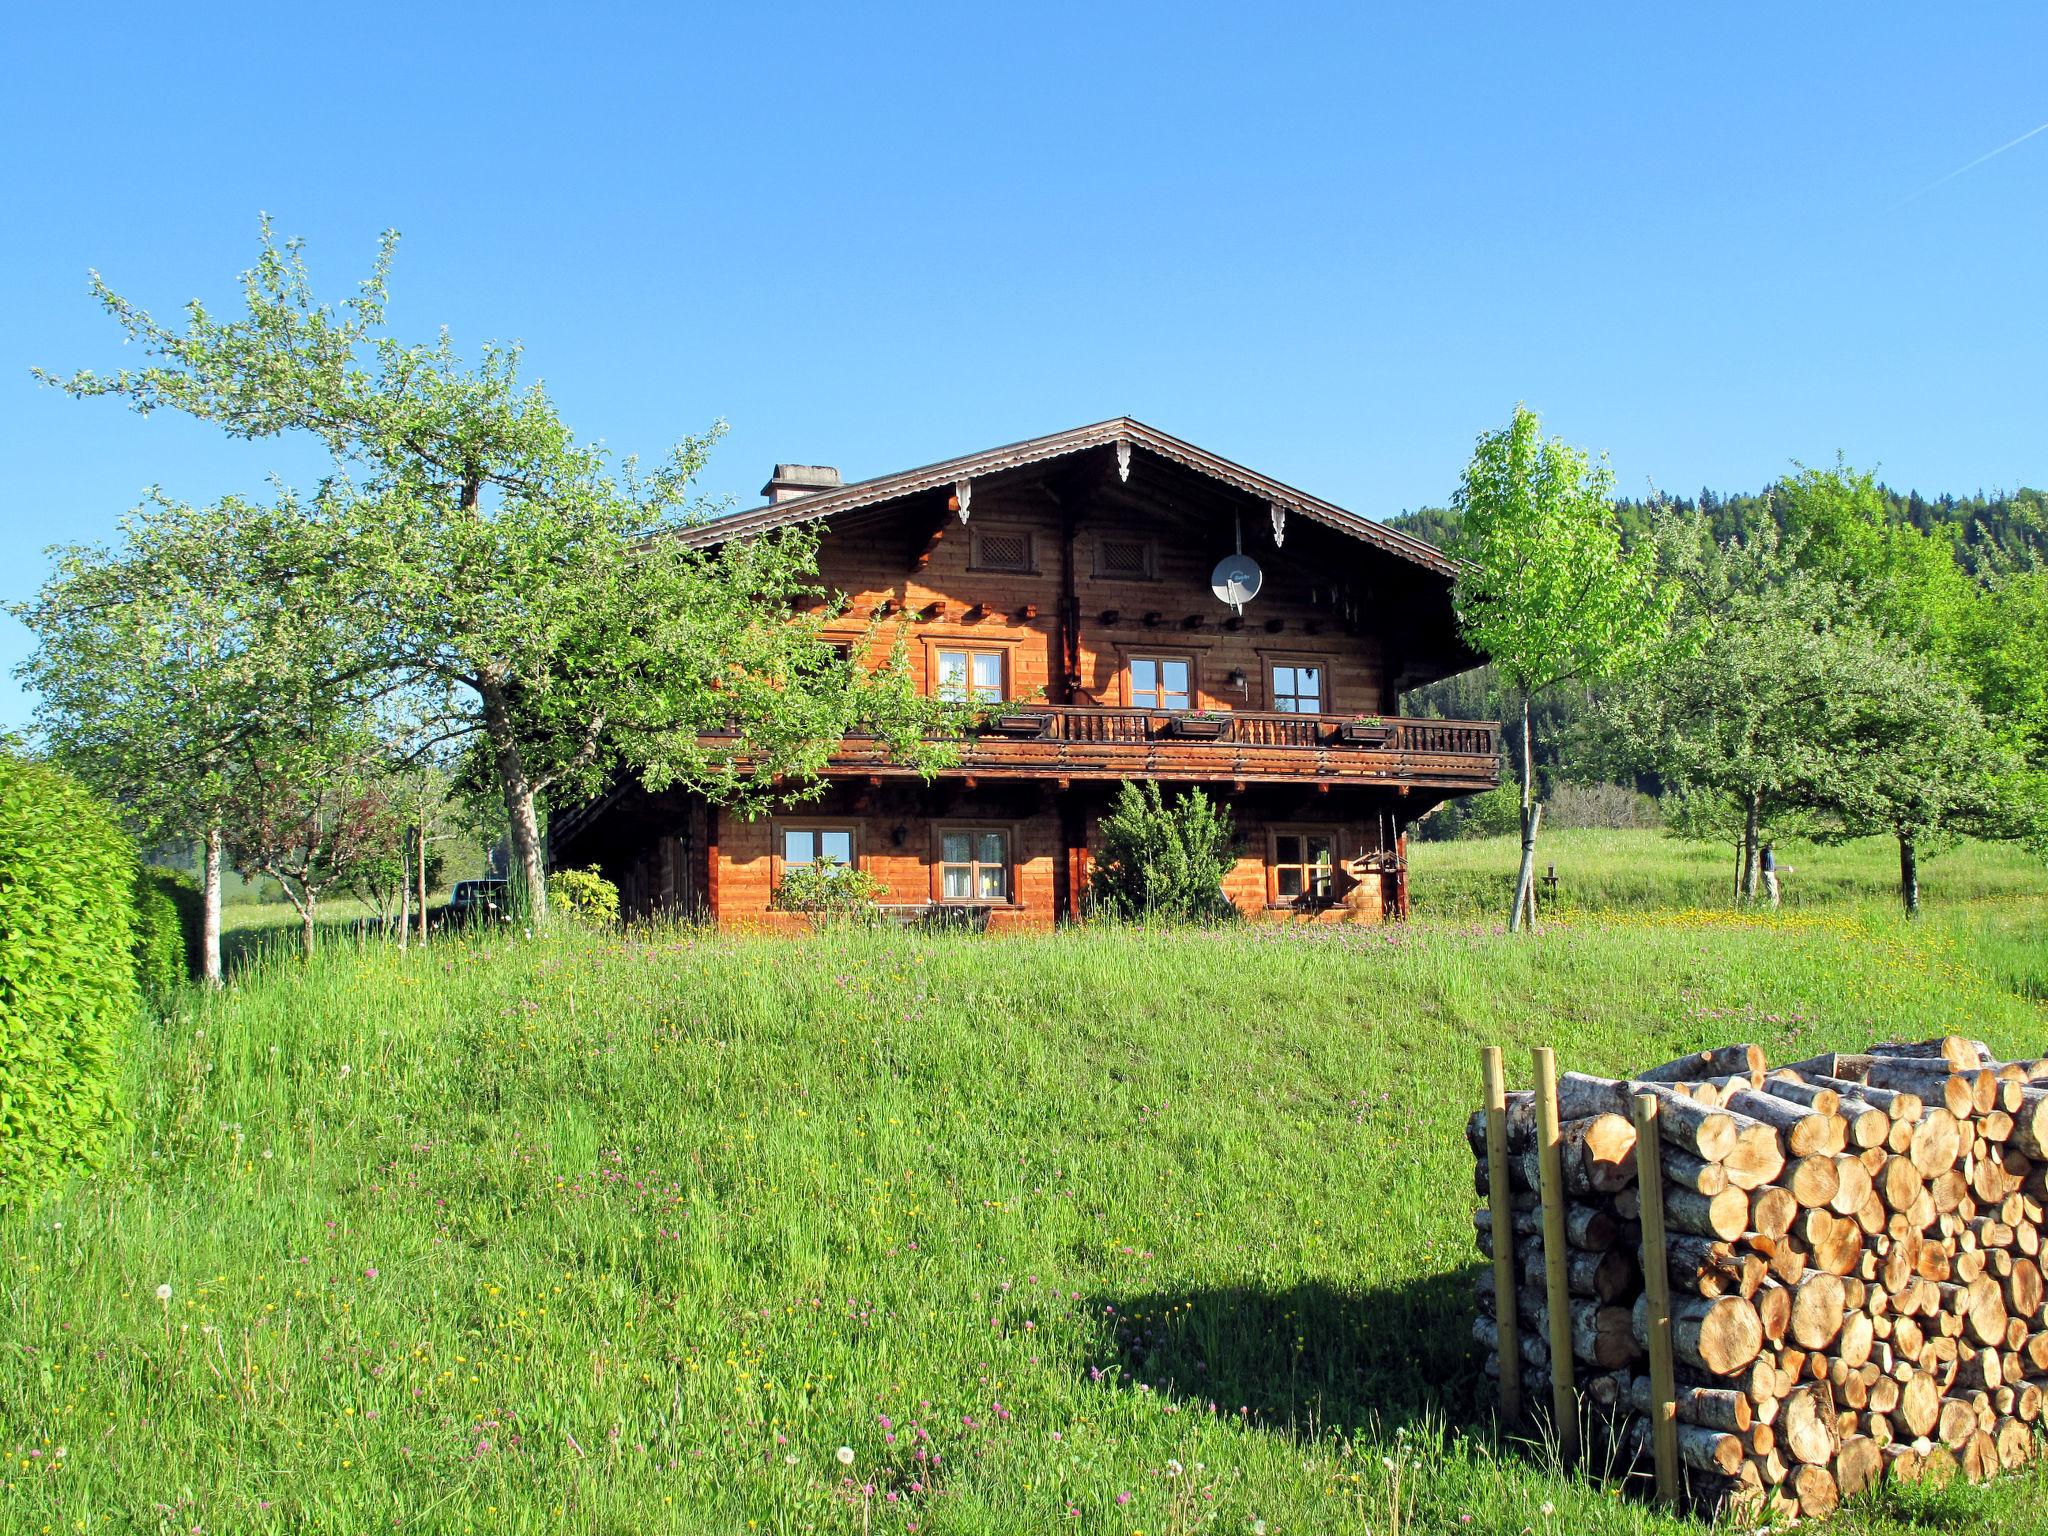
point(1563, 1395)
point(1657, 1285)
point(1499, 1202)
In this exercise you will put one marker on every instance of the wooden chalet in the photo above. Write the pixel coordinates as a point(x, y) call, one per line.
point(1066, 584)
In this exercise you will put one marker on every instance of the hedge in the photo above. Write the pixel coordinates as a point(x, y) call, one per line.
point(68, 991)
point(167, 916)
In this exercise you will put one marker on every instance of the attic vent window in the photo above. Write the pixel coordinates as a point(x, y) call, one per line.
point(1001, 549)
point(1129, 559)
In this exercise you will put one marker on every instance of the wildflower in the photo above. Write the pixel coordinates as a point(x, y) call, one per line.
point(1173, 1468)
point(845, 1455)
point(1123, 1498)
point(1549, 1508)
point(163, 1293)
point(790, 1459)
point(346, 1069)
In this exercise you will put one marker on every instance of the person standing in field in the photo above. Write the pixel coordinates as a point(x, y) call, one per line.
point(1768, 861)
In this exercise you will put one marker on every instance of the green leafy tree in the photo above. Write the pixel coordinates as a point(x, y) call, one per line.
point(1754, 686)
point(155, 663)
point(1161, 861)
point(471, 549)
point(1915, 760)
point(1549, 592)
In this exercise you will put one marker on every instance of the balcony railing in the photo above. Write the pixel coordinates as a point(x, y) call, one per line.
point(1079, 741)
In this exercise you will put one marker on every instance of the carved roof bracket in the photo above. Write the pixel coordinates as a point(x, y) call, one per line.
point(1279, 515)
point(963, 494)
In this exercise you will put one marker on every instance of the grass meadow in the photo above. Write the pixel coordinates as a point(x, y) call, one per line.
point(1107, 1231)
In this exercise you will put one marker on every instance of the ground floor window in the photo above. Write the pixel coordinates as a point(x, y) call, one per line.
point(974, 864)
point(1303, 866)
point(808, 845)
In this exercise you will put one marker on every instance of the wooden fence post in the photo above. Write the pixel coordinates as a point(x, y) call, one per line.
point(1564, 1397)
point(1657, 1291)
point(1501, 1205)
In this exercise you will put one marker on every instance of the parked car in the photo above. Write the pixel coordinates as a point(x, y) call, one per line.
point(479, 901)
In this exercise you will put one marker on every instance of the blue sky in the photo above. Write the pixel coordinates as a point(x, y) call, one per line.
point(1332, 242)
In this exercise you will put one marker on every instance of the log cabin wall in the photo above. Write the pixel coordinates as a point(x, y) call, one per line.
point(935, 580)
point(1052, 840)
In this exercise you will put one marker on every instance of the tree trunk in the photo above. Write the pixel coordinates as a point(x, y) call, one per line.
point(420, 874)
point(1909, 875)
point(1752, 823)
point(1525, 877)
point(209, 910)
point(404, 887)
point(522, 817)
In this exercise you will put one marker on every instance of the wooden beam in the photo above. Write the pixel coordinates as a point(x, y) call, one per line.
point(1501, 1204)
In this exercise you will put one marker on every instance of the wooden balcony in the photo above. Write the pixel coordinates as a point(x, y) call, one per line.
point(1057, 741)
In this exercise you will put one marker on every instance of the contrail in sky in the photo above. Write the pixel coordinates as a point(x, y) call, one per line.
point(1952, 175)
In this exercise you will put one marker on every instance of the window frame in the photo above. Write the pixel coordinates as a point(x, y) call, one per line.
point(975, 829)
point(936, 647)
point(1274, 661)
point(1130, 683)
point(781, 826)
point(1145, 541)
point(978, 531)
point(1307, 900)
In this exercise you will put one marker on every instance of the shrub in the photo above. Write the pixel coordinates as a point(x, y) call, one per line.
point(1613, 807)
point(1163, 862)
point(827, 887)
point(585, 895)
point(167, 918)
point(67, 975)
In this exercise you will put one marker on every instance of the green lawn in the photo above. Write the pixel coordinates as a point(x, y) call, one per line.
point(1103, 1231)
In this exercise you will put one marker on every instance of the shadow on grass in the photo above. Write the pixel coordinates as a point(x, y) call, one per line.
point(1306, 1360)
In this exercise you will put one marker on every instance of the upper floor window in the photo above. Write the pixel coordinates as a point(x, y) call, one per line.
point(1297, 689)
point(1001, 549)
point(1122, 557)
point(810, 845)
point(1162, 682)
point(971, 677)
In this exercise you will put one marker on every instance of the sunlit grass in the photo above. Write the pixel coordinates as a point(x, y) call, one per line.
point(1103, 1231)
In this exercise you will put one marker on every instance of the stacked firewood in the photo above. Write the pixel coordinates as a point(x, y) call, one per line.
point(1854, 1247)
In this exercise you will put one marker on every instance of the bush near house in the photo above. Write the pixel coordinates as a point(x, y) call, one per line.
point(1164, 862)
point(827, 888)
point(584, 894)
point(67, 975)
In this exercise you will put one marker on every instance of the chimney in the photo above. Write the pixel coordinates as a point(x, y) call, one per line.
point(793, 480)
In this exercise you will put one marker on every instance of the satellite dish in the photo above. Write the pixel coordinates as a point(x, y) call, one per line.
point(1236, 580)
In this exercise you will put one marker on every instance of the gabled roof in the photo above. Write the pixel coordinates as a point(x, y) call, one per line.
point(1037, 450)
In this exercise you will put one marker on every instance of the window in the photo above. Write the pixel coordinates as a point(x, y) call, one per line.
point(971, 677)
point(1304, 866)
point(1162, 682)
point(1297, 688)
point(1001, 549)
point(808, 845)
point(974, 865)
point(1127, 559)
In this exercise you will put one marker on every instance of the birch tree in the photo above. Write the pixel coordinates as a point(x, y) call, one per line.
point(1549, 591)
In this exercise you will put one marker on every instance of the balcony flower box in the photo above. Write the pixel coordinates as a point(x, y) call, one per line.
point(1020, 722)
point(1204, 725)
point(1365, 731)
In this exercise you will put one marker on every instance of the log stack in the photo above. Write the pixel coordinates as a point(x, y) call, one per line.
point(1854, 1251)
